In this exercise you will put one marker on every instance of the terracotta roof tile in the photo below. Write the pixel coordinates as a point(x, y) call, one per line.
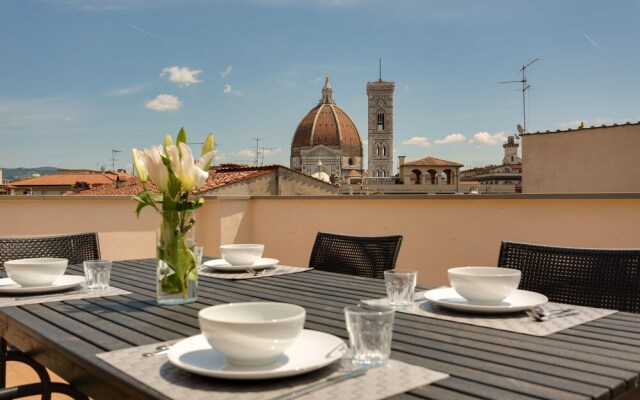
point(218, 177)
point(436, 162)
point(93, 179)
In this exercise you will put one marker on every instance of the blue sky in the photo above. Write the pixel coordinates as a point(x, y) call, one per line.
point(82, 77)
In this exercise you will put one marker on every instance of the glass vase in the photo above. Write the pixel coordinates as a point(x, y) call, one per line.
point(177, 272)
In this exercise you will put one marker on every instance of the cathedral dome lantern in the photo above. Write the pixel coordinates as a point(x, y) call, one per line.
point(328, 135)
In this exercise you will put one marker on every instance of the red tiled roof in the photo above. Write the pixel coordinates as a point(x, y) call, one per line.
point(131, 187)
point(326, 124)
point(436, 162)
point(218, 177)
point(93, 179)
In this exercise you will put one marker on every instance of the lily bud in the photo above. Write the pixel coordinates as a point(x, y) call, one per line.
point(182, 137)
point(167, 140)
point(208, 146)
point(143, 174)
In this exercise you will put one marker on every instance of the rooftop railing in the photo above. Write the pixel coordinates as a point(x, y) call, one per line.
point(440, 231)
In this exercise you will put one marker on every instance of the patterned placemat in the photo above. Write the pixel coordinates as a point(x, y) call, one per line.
point(158, 373)
point(80, 292)
point(518, 322)
point(277, 270)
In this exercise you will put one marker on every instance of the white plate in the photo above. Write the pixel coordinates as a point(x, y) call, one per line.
point(312, 350)
point(519, 301)
point(222, 265)
point(62, 283)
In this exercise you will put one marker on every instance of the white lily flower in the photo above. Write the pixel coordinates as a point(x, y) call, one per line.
point(205, 160)
point(183, 166)
point(200, 176)
point(158, 172)
point(139, 164)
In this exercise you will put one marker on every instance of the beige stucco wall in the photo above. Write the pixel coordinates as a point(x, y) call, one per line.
point(588, 160)
point(439, 232)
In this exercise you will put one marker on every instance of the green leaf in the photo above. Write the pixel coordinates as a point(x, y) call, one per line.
point(171, 284)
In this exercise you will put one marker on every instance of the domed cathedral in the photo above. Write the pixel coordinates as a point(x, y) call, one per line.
point(380, 123)
point(327, 142)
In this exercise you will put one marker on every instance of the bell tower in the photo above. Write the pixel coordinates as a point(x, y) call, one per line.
point(511, 152)
point(380, 124)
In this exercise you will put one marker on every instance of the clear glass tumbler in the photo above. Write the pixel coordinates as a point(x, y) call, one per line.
point(400, 287)
point(97, 273)
point(370, 330)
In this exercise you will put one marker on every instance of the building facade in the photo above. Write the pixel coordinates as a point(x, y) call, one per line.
point(430, 171)
point(503, 178)
point(380, 130)
point(598, 159)
point(327, 141)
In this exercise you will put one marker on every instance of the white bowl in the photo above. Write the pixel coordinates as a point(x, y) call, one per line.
point(254, 333)
point(35, 272)
point(484, 285)
point(241, 254)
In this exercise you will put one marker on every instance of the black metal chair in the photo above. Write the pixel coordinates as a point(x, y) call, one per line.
point(76, 248)
point(603, 278)
point(367, 256)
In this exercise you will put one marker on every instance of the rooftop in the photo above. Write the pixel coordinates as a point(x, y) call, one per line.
point(432, 161)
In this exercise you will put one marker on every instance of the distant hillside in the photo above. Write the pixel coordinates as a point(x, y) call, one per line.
point(11, 174)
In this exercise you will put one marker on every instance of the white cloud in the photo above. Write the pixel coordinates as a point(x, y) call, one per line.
point(452, 138)
point(485, 138)
point(68, 119)
point(34, 112)
point(229, 90)
point(226, 72)
point(406, 88)
point(164, 102)
point(417, 141)
point(247, 153)
point(270, 152)
point(182, 75)
point(126, 91)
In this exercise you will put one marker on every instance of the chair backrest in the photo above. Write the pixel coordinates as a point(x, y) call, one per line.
point(367, 256)
point(76, 247)
point(603, 278)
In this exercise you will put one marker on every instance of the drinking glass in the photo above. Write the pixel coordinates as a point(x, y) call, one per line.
point(370, 330)
point(400, 287)
point(198, 250)
point(97, 273)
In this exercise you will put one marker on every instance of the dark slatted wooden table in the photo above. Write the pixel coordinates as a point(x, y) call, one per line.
point(597, 360)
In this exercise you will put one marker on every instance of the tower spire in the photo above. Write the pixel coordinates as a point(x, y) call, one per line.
point(327, 92)
point(380, 70)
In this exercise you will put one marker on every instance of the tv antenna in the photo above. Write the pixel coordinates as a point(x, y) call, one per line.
point(113, 159)
point(525, 85)
point(256, 158)
point(262, 153)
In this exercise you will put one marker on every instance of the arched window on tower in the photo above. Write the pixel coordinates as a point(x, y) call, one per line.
point(380, 121)
point(377, 150)
point(384, 151)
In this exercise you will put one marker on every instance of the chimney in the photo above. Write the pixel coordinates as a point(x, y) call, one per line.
point(401, 161)
point(120, 182)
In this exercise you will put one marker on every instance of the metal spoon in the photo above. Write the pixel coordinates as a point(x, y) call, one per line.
point(252, 271)
point(158, 351)
point(540, 314)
